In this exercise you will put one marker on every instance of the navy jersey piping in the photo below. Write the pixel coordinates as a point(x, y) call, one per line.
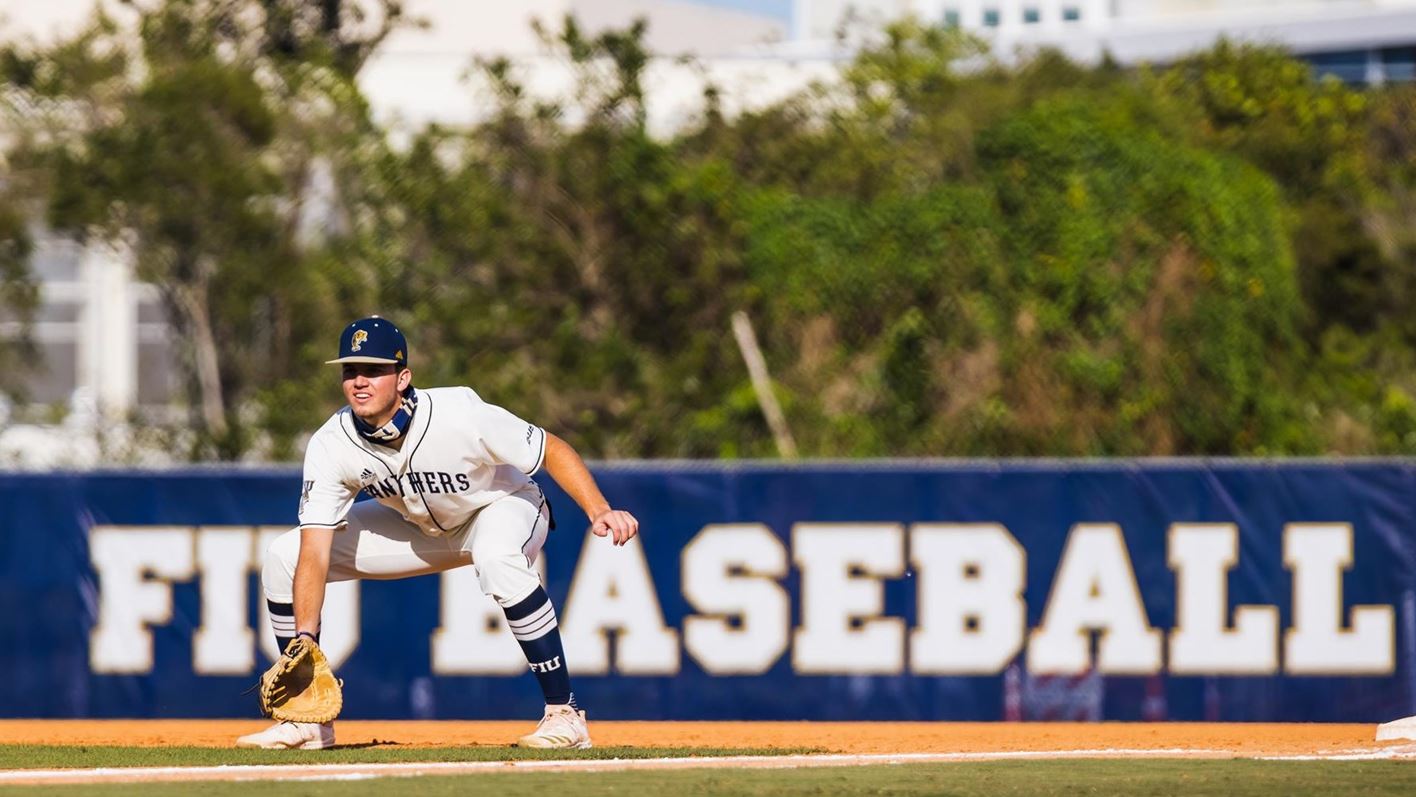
point(366, 451)
point(541, 457)
point(342, 521)
point(532, 533)
point(429, 399)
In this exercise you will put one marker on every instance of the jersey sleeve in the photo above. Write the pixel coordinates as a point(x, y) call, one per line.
point(509, 440)
point(324, 497)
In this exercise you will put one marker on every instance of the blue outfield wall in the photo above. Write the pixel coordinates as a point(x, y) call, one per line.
point(1185, 590)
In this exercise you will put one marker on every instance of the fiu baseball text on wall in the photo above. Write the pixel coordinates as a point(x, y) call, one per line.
point(970, 616)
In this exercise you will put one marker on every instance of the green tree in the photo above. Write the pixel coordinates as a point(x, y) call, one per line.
point(1307, 132)
point(199, 145)
point(942, 254)
point(1156, 300)
point(580, 272)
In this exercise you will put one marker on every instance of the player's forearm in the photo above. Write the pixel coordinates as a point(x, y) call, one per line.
point(569, 471)
point(311, 572)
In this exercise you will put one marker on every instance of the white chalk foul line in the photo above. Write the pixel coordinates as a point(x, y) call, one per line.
point(414, 769)
point(1394, 753)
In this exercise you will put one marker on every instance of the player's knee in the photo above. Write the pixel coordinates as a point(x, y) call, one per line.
point(278, 567)
point(507, 578)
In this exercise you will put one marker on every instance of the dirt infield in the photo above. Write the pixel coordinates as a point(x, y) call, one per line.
point(1242, 740)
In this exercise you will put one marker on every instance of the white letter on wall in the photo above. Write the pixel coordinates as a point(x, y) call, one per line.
point(339, 619)
point(473, 638)
point(972, 616)
point(730, 573)
point(842, 598)
point(225, 644)
point(136, 565)
point(1095, 590)
point(612, 589)
point(1317, 553)
point(1202, 554)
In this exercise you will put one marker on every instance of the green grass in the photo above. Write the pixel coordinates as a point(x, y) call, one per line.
point(994, 779)
point(34, 756)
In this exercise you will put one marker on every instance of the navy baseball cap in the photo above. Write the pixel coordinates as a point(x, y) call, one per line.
point(372, 340)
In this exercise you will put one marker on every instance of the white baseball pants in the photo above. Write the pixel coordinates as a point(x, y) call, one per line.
point(502, 543)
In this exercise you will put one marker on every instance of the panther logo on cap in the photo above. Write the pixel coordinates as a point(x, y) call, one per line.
point(359, 337)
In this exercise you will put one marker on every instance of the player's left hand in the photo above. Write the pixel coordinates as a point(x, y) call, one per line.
point(615, 523)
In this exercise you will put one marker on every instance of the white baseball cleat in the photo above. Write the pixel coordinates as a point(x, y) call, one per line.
point(291, 736)
point(561, 728)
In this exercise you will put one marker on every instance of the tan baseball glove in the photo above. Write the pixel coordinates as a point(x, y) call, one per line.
point(300, 686)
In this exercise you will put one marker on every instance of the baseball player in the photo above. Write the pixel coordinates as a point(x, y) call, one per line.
point(450, 476)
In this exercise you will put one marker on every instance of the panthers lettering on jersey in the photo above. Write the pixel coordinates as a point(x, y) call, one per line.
point(459, 454)
point(425, 482)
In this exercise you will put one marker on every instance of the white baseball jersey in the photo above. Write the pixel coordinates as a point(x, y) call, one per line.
point(459, 454)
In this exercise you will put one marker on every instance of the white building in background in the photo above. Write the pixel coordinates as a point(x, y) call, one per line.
point(108, 350)
point(1360, 41)
point(419, 75)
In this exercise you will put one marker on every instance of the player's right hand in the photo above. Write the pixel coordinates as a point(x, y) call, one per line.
point(615, 523)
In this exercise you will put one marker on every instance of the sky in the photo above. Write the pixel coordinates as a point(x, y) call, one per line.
point(780, 9)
